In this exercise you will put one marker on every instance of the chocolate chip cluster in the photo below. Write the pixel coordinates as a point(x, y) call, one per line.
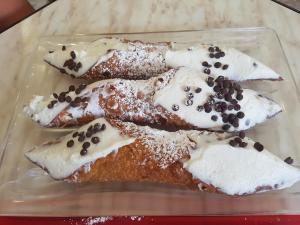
point(226, 98)
point(64, 97)
point(70, 63)
point(215, 52)
point(88, 134)
point(238, 142)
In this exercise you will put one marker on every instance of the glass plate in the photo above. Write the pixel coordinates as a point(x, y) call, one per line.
point(27, 190)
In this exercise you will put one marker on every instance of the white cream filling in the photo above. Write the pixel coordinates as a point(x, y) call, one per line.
point(88, 54)
point(61, 161)
point(238, 171)
point(39, 112)
point(256, 108)
point(241, 66)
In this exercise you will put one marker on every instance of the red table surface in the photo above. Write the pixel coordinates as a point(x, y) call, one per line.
point(165, 220)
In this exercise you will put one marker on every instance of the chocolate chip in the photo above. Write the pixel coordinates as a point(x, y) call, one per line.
point(235, 123)
point(220, 79)
point(211, 49)
point(228, 97)
point(90, 129)
point(240, 115)
point(77, 100)
point(217, 65)
point(239, 97)
point(238, 140)
point(237, 107)
point(61, 98)
point(289, 160)
point(81, 138)
point(242, 134)
point(220, 95)
point(258, 146)
point(210, 81)
point(97, 127)
point(53, 102)
point(198, 90)
point(224, 118)
point(73, 104)
point(243, 144)
point(187, 88)
point(68, 99)
point(211, 55)
point(255, 64)
point(199, 108)
point(72, 54)
point(225, 67)
point(86, 145)
point(231, 117)
point(222, 54)
point(89, 134)
point(70, 143)
point(175, 107)
point(218, 55)
point(207, 108)
point(188, 102)
point(207, 71)
point(205, 64)
point(234, 102)
point(95, 140)
point(233, 143)
point(214, 118)
point(218, 107)
point(106, 73)
point(75, 134)
point(79, 65)
point(72, 88)
point(50, 52)
point(77, 91)
point(216, 88)
point(190, 95)
point(63, 48)
point(217, 49)
point(230, 107)
point(50, 106)
point(83, 152)
point(103, 126)
point(55, 95)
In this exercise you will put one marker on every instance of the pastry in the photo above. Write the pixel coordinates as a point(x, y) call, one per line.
point(111, 150)
point(119, 58)
point(178, 99)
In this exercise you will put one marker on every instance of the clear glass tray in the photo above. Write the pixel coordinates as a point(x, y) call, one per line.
point(27, 190)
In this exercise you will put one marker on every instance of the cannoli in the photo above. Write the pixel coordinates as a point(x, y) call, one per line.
point(111, 150)
point(178, 99)
point(119, 58)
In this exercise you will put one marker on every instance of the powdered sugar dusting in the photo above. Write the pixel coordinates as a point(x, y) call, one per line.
point(136, 218)
point(97, 220)
point(166, 147)
point(140, 60)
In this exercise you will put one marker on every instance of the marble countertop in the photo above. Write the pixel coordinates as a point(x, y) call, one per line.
point(104, 16)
